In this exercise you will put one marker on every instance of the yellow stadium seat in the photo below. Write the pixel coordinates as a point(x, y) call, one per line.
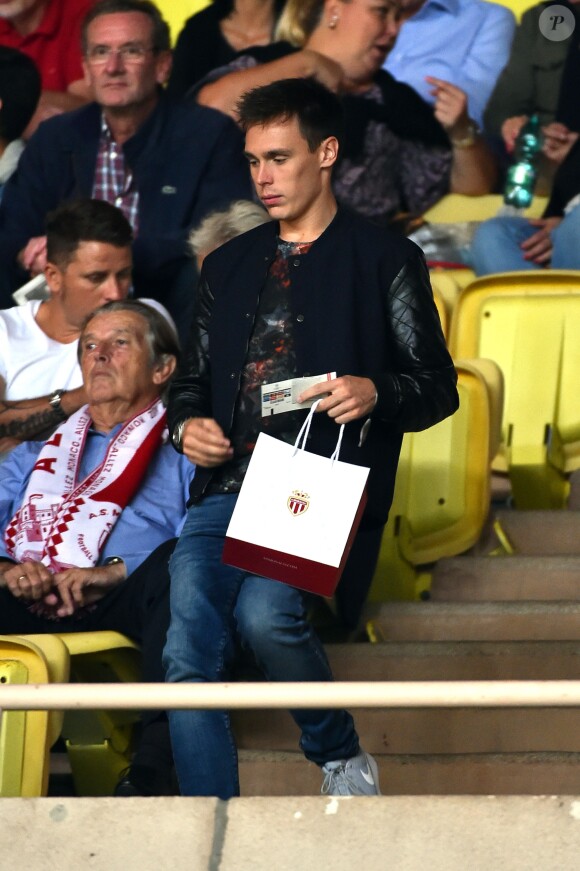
point(442, 492)
point(26, 736)
point(518, 7)
point(528, 323)
point(460, 207)
point(463, 277)
point(441, 309)
point(494, 384)
point(176, 13)
point(447, 284)
point(446, 290)
point(100, 743)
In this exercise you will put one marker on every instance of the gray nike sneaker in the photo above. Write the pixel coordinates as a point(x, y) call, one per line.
point(356, 776)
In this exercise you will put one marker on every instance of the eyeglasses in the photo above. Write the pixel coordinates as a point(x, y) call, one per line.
point(131, 53)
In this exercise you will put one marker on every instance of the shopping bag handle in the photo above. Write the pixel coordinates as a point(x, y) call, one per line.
point(305, 430)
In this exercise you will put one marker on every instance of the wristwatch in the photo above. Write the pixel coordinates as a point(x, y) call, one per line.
point(470, 137)
point(55, 402)
point(177, 436)
point(113, 560)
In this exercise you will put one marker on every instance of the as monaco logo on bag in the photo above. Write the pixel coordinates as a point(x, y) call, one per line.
point(298, 502)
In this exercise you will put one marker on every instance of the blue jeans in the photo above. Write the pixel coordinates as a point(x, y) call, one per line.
point(210, 602)
point(496, 244)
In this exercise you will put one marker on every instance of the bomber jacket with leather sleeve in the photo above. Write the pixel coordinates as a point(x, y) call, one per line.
point(361, 304)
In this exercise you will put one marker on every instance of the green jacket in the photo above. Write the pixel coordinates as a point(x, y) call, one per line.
point(531, 80)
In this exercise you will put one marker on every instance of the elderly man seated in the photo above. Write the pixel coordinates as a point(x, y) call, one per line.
point(89, 516)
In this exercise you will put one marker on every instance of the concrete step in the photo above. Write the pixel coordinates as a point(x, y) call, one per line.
point(420, 731)
point(306, 833)
point(469, 660)
point(487, 774)
point(441, 730)
point(547, 533)
point(474, 621)
point(509, 578)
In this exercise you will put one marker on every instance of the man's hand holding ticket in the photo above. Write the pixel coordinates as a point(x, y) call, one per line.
point(349, 398)
point(281, 396)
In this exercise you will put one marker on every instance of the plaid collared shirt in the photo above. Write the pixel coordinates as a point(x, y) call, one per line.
point(114, 179)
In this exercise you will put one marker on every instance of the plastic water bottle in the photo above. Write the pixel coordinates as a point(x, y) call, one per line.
point(522, 174)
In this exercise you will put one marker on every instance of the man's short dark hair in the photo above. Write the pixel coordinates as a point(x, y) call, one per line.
point(318, 111)
point(160, 37)
point(84, 221)
point(19, 92)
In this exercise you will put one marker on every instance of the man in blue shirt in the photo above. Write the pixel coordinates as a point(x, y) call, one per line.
point(464, 42)
point(89, 517)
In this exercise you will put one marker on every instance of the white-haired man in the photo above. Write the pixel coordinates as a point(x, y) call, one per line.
point(89, 517)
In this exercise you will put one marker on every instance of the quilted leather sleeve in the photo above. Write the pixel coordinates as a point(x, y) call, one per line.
point(421, 388)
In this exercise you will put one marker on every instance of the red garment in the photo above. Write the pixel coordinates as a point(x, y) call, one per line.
point(55, 46)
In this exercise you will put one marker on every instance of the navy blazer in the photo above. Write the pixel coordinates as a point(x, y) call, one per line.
point(187, 161)
point(362, 305)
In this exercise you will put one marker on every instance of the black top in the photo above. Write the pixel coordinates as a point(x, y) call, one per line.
point(271, 357)
point(568, 109)
point(566, 183)
point(201, 47)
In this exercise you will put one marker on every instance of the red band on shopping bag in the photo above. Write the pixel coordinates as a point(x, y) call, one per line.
point(306, 574)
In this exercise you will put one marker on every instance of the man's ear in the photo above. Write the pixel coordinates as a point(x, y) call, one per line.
point(163, 67)
point(329, 151)
point(87, 75)
point(164, 369)
point(54, 278)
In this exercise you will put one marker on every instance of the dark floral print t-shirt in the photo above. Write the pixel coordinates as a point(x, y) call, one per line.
point(270, 358)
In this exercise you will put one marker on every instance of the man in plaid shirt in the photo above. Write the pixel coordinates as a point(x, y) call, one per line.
point(164, 164)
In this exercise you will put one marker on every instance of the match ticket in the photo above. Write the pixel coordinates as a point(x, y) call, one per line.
point(283, 396)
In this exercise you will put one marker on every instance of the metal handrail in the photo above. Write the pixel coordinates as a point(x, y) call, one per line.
point(347, 694)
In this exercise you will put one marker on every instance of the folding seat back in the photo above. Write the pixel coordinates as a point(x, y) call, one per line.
point(442, 493)
point(100, 743)
point(528, 324)
point(26, 736)
point(441, 310)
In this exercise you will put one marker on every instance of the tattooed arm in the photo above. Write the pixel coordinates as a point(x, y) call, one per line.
point(35, 418)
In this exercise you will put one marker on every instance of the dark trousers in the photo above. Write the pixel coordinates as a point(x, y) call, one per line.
point(138, 608)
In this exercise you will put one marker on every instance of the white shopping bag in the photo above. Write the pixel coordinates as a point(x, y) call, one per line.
point(297, 514)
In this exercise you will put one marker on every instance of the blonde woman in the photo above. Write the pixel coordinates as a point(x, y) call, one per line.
point(400, 153)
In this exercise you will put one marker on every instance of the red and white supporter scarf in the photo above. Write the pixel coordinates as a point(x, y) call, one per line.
point(63, 522)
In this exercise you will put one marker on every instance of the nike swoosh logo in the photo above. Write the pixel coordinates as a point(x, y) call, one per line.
point(367, 776)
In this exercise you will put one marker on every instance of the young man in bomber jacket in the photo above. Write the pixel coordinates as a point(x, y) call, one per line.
point(318, 289)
